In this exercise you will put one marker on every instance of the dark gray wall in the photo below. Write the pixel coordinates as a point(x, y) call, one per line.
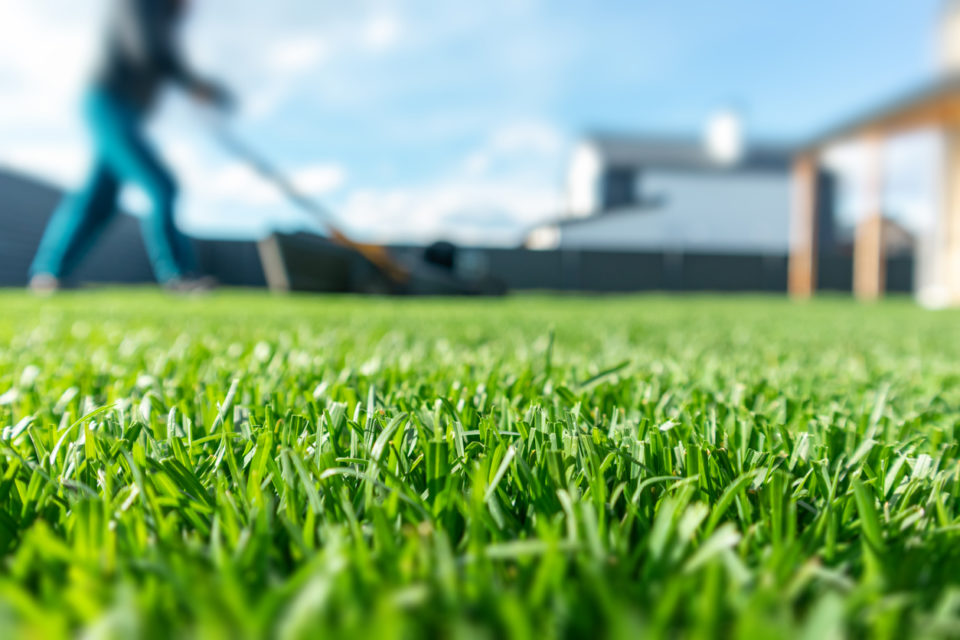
point(604, 271)
point(234, 263)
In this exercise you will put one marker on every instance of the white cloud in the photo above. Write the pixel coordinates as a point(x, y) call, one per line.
point(533, 144)
point(268, 87)
point(382, 32)
point(477, 163)
point(46, 51)
point(465, 211)
point(63, 163)
point(47, 44)
point(237, 182)
point(528, 137)
point(319, 179)
point(296, 54)
point(505, 186)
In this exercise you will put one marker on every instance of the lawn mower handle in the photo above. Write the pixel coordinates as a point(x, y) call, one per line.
point(376, 254)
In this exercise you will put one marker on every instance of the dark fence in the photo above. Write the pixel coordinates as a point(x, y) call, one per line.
point(119, 257)
point(235, 263)
point(835, 273)
point(603, 271)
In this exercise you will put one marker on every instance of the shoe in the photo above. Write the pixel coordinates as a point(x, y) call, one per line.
point(44, 284)
point(190, 284)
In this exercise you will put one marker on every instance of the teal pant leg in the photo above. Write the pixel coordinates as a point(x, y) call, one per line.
point(130, 157)
point(76, 223)
point(123, 156)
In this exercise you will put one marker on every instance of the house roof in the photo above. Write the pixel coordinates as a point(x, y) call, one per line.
point(682, 152)
point(935, 102)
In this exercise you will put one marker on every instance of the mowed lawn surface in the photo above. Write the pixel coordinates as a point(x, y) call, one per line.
point(534, 467)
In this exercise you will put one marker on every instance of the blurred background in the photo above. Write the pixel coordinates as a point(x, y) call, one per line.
point(614, 146)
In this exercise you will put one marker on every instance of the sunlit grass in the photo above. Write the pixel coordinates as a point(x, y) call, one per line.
point(246, 465)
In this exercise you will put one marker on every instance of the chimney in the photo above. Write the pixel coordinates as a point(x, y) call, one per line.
point(723, 137)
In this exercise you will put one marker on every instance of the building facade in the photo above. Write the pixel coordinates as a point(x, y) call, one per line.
point(672, 194)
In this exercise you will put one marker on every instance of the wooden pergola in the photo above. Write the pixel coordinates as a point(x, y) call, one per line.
point(937, 106)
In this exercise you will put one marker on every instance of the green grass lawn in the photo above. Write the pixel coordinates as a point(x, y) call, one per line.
point(245, 465)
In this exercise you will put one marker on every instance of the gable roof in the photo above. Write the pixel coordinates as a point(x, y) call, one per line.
point(682, 152)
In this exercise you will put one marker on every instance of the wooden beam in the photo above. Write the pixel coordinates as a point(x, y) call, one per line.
point(940, 111)
point(802, 264)
point(869, 259)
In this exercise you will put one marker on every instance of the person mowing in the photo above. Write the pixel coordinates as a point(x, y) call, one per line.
point(141, 57)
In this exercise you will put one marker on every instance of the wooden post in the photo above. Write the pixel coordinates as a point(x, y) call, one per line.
point(932, 285)
point(274, 267)
point(869, 259)
point(949, 262)
point(802, 265)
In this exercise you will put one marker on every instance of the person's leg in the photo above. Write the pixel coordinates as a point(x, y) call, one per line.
point(76, 223)
point(132, 159)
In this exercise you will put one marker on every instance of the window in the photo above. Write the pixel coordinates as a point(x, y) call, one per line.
point(619, 188)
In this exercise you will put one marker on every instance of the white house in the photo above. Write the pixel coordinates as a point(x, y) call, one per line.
point(646, 193)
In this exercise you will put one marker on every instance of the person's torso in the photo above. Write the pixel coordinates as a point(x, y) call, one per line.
point(140, 34)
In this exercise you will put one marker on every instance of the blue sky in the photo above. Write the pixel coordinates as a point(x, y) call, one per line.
point(419, 119)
